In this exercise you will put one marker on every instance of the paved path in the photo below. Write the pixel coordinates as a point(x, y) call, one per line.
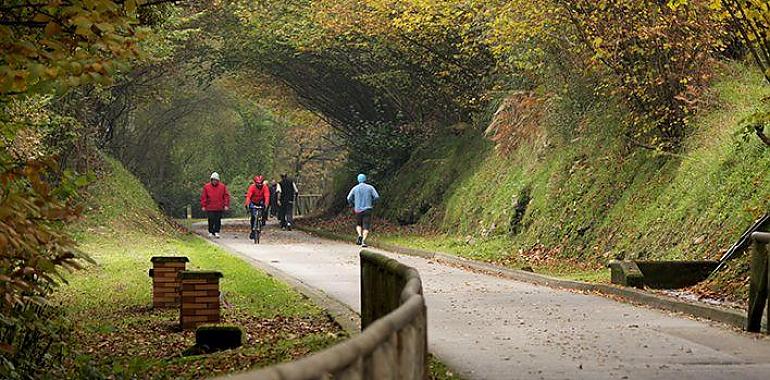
point(486, 327)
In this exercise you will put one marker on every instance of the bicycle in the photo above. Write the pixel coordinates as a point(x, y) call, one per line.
point(256, 226)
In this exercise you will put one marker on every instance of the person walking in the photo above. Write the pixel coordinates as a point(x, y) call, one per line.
point(273, 198)
point(362, 198)
point(287, 192)
point(215, 200)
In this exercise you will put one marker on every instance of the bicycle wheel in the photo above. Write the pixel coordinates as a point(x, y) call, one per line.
point(257, 225)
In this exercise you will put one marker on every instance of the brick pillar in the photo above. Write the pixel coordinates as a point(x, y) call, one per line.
point(200, 298)
point(165, 284)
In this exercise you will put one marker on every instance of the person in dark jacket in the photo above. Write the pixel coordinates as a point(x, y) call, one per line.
point(273, 198)
point(215, 199)
point(287, 192)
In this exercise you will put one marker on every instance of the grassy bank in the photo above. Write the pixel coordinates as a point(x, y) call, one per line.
point(117, 334)
point(575, 193)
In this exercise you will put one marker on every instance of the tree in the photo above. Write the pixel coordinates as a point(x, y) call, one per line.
point(750, 20)
point(48, 46)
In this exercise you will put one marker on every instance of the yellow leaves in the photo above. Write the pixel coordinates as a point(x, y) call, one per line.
point(41, 17)
point(71, 37)
point(52, 28)
point(750, 20)
point(130, 6)
point(19, 81)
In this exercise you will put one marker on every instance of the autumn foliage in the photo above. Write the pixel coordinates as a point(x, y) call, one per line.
point(47, 47)
point(386, 72)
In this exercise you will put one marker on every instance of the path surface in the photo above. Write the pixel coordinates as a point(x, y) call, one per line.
point(486, 327)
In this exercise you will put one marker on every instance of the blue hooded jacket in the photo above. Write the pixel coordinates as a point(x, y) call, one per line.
point(363, 197)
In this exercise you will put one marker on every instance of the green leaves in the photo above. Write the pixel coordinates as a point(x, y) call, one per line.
point(750, 21)
point(56, 46)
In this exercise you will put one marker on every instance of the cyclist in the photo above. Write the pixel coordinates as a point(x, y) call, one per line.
point(363, 197)
point(257, 196)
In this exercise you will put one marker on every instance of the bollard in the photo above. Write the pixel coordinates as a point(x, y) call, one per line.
point(165, 284)
point(758, 291)
point(199, 298)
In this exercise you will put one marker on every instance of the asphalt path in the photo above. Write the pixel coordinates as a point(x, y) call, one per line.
point(485, 327)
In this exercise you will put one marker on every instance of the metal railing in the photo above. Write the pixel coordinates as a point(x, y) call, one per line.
point(758, 284)
point(393, 343)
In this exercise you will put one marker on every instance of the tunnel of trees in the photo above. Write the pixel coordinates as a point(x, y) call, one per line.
point(177, 89)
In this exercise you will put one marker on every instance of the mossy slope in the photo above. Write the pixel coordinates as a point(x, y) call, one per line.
point(594, 195)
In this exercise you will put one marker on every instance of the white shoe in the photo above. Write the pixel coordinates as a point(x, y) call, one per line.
point(211, 235)
point(217, 235)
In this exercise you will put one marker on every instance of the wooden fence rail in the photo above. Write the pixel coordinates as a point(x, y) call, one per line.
point(393, 341)
point(307, 204)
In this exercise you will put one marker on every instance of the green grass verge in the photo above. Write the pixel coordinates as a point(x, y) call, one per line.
point(117, 334)
point(439, 371)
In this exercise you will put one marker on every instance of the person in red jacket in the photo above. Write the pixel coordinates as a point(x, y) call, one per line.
point(257, 196)
point(215, 199)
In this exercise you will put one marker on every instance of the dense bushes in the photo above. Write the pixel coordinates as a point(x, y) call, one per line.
point(35, 201)
point(45, 155)
point(656, 57)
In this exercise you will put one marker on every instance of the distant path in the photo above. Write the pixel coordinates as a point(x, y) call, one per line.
point(486, 327)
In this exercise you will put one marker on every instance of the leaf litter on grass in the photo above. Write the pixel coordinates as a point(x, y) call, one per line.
point(153, 336)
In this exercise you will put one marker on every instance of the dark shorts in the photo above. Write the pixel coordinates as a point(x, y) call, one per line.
point(364, 219)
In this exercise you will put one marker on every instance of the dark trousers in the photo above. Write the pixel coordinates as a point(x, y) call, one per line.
point(215, 221)
point(286, 214)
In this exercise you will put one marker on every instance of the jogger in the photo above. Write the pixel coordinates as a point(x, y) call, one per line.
point(363, 197)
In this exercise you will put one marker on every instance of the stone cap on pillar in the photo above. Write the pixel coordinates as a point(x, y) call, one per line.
point(169, 259)
point(199, 274)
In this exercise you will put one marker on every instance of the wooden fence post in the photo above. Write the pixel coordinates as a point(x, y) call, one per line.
point(758, 285)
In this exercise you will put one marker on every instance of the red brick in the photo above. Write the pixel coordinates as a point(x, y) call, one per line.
point(165, 272)
point(167, 269)
point(169, 265)
point(206, 287)
point(195, 281)
point(194, 294)
point(194, 306)
point(207, 312)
